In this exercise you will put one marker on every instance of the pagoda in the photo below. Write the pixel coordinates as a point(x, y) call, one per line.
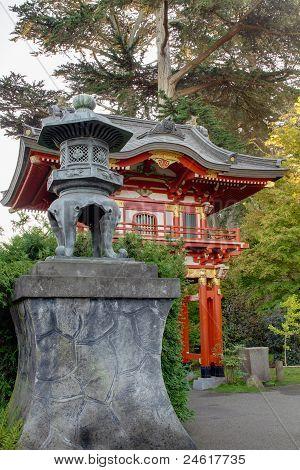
point(174, 178)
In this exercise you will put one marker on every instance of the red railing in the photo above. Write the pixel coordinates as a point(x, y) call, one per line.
point(169, 233)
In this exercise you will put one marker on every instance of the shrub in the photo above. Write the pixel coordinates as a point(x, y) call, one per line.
point(9, 433)
point(232, 364)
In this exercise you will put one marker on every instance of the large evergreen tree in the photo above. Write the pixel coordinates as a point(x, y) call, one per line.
point(238, 55)
point(24, 103)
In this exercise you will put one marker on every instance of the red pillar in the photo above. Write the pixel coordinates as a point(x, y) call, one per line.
point(184, 318)
point(210, 324)
point(204, 327)
point(218, 329)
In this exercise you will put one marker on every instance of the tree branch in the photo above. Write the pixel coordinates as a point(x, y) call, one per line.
point(216, 45)
point(135, 28)
point(193, 89)
point(166, 29)
point(108, 108)
point(273, 32)
point(201, 57)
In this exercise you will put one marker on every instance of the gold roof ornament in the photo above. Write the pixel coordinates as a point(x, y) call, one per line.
point(165, 158)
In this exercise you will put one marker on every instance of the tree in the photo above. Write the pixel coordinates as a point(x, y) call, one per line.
point(237, 55)
point(268, 271)
point(291, 324)
point(24, 103)
point(284, 139)
point(267, 274)
point(193, 109)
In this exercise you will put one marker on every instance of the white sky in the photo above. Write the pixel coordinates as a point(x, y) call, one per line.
point(15, 56)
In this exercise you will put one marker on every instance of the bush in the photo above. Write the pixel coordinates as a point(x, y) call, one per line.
point(9, 434)
point(232, 364)
point(8, 357)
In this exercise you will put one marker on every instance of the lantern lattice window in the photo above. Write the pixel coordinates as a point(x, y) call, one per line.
point(78, 154)
point(99, 155)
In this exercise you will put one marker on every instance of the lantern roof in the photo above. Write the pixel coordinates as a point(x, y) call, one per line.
point(81, 121)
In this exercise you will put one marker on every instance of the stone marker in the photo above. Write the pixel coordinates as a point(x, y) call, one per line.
point(89, 375)
point(253, 381)
point(255, 361)
point(279, 371)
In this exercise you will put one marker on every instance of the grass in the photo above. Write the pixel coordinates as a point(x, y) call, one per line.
point(291, 377)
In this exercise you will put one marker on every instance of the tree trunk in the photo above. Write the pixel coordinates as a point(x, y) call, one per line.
point(163, 51)
point(285, 353)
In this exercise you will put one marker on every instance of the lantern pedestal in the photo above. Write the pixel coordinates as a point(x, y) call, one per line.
point(89, 375)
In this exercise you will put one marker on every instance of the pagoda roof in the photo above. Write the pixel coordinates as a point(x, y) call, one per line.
point(192, 141)
point(148, 136)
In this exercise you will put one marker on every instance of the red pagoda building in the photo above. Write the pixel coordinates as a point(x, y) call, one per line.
point(174, 177)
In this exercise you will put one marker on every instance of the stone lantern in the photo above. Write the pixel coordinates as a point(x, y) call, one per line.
point(84, 181)
point(90, 329)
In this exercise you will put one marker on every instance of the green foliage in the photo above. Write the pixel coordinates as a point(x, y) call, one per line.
point(182, 109)
point(9, 433)
point(284, 139)
point(232, 364)
point(170, 262)
point(18, 255)
point(83, 244)
point(268, 272)
point(194, 327)
point(267, 275)
point(291, 322)
point(241, 324)
point(285, 135)
point(8, 357)
point(23, 103)
point(250, 75)
point(291, 376)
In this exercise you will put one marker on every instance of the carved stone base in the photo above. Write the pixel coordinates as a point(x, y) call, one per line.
point(89, 373)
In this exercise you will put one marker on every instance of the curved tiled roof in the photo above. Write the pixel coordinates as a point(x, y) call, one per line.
point(148, 136)
point(196, 145)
